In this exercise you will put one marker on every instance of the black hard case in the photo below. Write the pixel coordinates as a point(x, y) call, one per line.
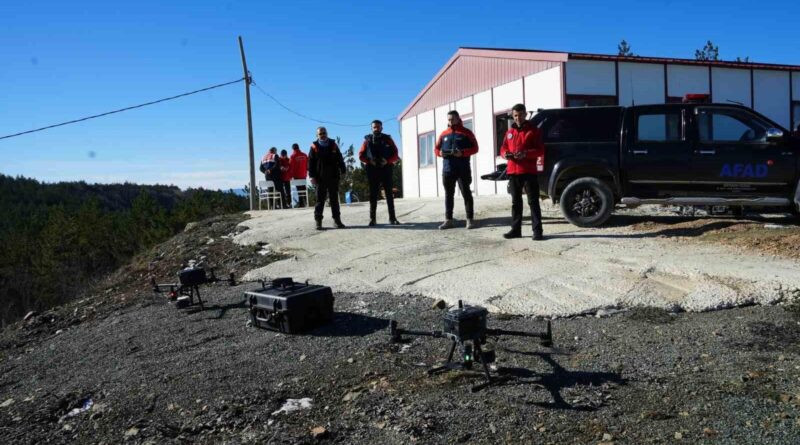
point(290, 307)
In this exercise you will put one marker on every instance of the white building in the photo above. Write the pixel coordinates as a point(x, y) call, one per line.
point(483, 84)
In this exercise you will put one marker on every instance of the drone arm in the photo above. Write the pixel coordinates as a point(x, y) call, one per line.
point(397, 333)
point(546, 336)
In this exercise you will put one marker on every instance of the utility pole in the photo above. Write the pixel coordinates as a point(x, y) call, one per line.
point(247, 80)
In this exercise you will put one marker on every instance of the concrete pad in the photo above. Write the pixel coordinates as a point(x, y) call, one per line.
point(573, 271)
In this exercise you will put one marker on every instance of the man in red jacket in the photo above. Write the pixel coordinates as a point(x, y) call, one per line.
point(298, 164)
point(379, 154)
point(524, 150)
point(456, 144)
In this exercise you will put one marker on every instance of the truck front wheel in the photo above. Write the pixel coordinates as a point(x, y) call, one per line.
point(587, 202)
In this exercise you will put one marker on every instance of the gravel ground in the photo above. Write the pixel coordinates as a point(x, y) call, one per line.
point(156, 374)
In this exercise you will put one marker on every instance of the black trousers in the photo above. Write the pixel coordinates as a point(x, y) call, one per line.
point(380, 177)
point(531, 186)
point(281, 187)
point(329, 190)
point(287, 193)
point(301, 200)
point(464, 179)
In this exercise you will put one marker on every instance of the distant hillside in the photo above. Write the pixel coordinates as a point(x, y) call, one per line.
point(57, 238)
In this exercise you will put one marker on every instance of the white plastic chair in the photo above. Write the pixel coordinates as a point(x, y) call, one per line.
point(268, 192)
point(301, 194)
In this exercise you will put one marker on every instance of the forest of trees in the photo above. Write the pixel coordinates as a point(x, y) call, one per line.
point(56, 238)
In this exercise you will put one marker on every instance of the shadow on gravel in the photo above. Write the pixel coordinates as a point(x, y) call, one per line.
point(346, 324)
point(771, 337)
point(679, 231)
point(459, 223)
point(559, 379)
point(221, 309)
point(618, 220)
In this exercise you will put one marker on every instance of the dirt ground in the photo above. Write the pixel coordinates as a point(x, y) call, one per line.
point(146, 372)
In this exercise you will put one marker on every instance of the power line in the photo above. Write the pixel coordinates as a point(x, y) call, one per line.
point(297, 113)
point(122, 109)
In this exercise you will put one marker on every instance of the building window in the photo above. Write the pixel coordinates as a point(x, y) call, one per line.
point(468, 123)
point(588, 100)
point(426, 144)
point(502, 122)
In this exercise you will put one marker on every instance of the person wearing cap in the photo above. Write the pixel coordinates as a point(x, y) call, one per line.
point(298, 164)
point(325, 167)
point(455, 145)
point(378, 153)
point(522, 148)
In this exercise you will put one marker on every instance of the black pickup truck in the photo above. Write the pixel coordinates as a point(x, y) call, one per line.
point(686, 154)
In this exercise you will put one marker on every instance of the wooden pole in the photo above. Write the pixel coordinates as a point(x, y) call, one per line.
point(247, 80)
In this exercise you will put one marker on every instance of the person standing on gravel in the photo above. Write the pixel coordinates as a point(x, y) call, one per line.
point(325, 167)
point(299, 166)
point(524, 150)
point(286, 176)
point(379, 154)
point(455, 145)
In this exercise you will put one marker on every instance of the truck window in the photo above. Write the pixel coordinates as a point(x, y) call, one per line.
point(729, 125)
point(582, 126)
point(659, 127)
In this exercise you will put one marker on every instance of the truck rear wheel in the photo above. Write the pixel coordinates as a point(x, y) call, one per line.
point(587, 202)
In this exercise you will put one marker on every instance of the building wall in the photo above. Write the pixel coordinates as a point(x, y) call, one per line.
point(484, 133)
point(729, 84)
point(591, 77)
point(507, 95)
point(796, 85)
point(685, 79)
point(408, 129)
point(441, 124)
point(771, 95)
point(640, 83)
point(543, 90)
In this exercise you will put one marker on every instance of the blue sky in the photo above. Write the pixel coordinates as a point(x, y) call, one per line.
point(339, 61)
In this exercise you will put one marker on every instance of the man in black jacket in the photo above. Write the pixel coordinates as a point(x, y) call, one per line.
point(325, 167)
point(379, 154)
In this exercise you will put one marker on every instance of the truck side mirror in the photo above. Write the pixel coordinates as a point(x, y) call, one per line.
point(774, 135)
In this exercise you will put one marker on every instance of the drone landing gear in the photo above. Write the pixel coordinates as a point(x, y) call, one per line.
point(469, 357)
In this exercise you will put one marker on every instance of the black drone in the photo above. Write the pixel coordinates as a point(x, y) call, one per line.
point(465, 326)
point(184, 292)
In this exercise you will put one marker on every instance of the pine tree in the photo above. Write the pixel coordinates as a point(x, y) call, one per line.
point(708, 52)
point(623, 49)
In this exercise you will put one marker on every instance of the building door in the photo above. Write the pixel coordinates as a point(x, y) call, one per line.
point(732, 156)
point(656, 153)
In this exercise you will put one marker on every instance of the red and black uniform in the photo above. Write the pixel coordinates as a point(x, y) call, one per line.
point(298, 165)
point(326, 165)
point(524, 140)
point(379, 154)
point(456, 169)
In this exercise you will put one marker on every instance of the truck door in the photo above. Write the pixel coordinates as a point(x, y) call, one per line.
point(732, 156)
point(656, 152)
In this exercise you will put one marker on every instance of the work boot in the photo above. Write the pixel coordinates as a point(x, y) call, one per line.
point(537, 236)
point(394, 222)
point(339, 224)
point(512, 234)
point(372, 222)
point(471, 224)
point(447, 224)
point(319, 224)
